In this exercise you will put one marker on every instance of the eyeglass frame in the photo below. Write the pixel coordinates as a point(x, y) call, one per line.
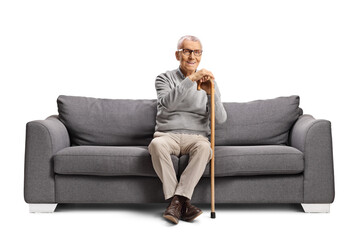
point(191, 51)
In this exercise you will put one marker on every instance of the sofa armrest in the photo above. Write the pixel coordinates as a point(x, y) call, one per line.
point(43, 139)
point(313, 137)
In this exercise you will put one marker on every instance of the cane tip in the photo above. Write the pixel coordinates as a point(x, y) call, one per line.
point(212, 214)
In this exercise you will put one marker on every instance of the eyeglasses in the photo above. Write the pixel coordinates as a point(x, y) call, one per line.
point(187, 52)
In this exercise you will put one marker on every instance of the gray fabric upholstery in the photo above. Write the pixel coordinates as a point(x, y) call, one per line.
point(116, 122)
point(108, 122)
point(110, 189)
point(136, 161)
point(253, 160)
point(313, 138)
point(106, 161)
point(258, 122)
point(43, 139)
point(252, 189)
point(246, 189)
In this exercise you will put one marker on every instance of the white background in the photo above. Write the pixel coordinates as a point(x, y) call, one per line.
point(115, 49)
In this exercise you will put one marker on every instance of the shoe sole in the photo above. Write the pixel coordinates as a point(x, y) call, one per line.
point(193, 218)
point(171, 218)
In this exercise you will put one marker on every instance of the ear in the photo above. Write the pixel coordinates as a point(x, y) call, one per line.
point(177, 55)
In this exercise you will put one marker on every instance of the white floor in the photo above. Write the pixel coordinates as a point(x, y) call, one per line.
point(243, 221)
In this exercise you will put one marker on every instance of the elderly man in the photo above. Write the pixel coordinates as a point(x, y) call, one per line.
point(183, 127)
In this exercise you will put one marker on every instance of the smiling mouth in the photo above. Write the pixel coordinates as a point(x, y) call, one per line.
point(191, 63)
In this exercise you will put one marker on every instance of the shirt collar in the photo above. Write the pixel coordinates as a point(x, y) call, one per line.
point(181, 74)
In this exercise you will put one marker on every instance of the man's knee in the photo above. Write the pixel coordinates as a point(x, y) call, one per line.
point(158, 145)
point(204, 149)
point(154, 145)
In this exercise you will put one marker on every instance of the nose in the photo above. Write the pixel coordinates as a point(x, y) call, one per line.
point(191, 55)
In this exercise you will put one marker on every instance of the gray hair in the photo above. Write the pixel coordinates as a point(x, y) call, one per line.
point(187, 37)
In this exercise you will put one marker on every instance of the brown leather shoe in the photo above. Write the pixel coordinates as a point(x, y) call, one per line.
point(173, 211)
point(189, 212)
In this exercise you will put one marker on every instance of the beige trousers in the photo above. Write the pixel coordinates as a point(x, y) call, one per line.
point(165, 144)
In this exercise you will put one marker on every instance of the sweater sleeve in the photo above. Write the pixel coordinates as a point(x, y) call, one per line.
point(169, 96)
point(220, 112)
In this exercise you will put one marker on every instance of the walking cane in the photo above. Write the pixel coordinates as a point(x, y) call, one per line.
point(212, 166)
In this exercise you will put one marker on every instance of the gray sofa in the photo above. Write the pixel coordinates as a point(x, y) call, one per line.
point(95, 151)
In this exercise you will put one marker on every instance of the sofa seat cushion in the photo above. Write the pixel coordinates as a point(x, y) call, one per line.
point(253, 160)
point(106, 161)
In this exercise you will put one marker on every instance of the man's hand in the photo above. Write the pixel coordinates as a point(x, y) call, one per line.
point(201, 74)
point(206, 85)
point(203, 78)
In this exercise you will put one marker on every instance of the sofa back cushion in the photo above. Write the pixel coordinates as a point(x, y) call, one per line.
point(107, 122)
point(258, 122)
point(124, 122)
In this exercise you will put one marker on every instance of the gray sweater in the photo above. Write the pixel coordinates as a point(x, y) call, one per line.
point(181, 108)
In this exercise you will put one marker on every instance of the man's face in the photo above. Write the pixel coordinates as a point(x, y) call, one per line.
point(189, 63)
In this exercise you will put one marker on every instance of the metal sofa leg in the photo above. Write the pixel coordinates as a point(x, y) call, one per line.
point(42, 208)
point(316, 207)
